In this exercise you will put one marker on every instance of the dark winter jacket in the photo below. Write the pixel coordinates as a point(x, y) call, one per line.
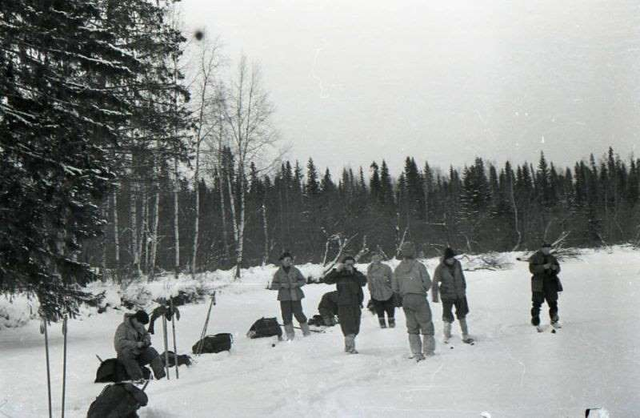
point(349, 286)
point(544, 279)
point(288, 284)
point(379, 277)
point(329, 304)
point(128, 336)
point(411, 277)
point(449, 282)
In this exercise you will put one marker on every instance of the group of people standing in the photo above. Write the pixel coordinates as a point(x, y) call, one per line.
point(406, 286)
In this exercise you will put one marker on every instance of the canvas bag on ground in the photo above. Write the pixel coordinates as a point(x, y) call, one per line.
point(118, 400)
point(265, 327)
point(213, 344)
point(112, 370)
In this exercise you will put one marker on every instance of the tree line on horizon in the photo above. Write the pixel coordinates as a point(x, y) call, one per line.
point(317, 216)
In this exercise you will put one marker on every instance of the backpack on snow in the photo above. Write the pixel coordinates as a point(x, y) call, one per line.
point(112, 370)
point(213, 344)
point(118, 400)
point(316, 320)
point(265, 327)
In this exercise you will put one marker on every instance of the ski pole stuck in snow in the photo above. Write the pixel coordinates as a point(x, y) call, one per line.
point(43, 329)
point(64, 362)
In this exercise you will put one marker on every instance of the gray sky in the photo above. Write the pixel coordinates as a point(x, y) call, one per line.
point(443, 80)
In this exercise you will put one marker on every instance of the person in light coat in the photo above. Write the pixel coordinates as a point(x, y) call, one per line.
point(379, 278)
point(412, 282)
point(132, 343)
point(288, 280)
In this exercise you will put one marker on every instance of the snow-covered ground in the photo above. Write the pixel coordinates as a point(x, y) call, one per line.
point(512, 371)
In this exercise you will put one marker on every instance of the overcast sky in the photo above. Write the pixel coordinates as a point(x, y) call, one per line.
point(441, 80)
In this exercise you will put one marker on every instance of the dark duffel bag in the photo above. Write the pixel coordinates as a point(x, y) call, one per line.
point(265, 327)
point(120, 400)
point(183, 359)
point(112, 370)
point(213, 344)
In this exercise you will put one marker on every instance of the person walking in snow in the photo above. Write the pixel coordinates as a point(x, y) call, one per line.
point(288, 280)
point(411, 280)
point(450, 285)
point(133, 346)
point(545, 285)
point(349, 283)
point(379, 277)
point(328, 308)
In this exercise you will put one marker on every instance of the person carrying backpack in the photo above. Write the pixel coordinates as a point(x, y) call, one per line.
point(379, 277)
point(133, 347)
point(349, 283)
point(288, 280)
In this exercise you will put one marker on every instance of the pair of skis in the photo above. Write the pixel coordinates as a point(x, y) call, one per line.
point(44, 330)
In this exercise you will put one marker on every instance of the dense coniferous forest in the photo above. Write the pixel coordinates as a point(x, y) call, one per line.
point(314, 213)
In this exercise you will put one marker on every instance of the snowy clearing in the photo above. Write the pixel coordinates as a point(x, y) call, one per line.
point(512, 371)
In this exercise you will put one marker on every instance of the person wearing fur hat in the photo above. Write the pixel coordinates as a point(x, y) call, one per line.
point(545, 285)
point(379, 276)
point(133, 346)
point(288, 280)
point(349, 283)
point(450, 285)
point(411, 280)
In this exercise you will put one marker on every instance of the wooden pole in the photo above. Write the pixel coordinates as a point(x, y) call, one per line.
point(166, 345)
point(174, 318)
point(46, 347)
point(64, 362)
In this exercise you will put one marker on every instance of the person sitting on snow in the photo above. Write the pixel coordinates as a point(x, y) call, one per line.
point(450, 285)
point(133, 346)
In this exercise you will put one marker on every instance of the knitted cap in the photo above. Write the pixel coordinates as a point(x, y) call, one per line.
point(285, 255)
point(449, 253)
point(142, 317)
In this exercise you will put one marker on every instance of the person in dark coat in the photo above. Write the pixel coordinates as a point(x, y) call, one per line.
point(349, 283)
point(449, 284)
point(379, 277)
point(133, 346)
point(288, 280)
point(545, 284)
point(328, 308)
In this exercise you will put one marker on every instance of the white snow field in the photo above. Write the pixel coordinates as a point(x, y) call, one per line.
point(512, 371)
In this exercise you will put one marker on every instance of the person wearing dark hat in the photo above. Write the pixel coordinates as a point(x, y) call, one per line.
point(545, 285)
point(133, 346)
point(288, 280)
point(379, 277)
point(450, 285)
point(411, 280)
point(349, 283)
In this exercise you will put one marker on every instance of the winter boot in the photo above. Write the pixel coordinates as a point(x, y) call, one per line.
point(429, 345)
point(555, 322)
point(305, 329)
point(353, 345)
point(416, 347)
point(535, 321)
point(392, 322)
point(447, 332)
point(465, 331)
point(157, 365)
point(288, 328)
point(347, 343)
point(383, 323)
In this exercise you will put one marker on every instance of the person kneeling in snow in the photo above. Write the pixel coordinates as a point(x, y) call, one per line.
point(328, 308)
point(450, 284)
point(288, 280)
point(411, 280)
point(349, 282)
point(133, 346)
